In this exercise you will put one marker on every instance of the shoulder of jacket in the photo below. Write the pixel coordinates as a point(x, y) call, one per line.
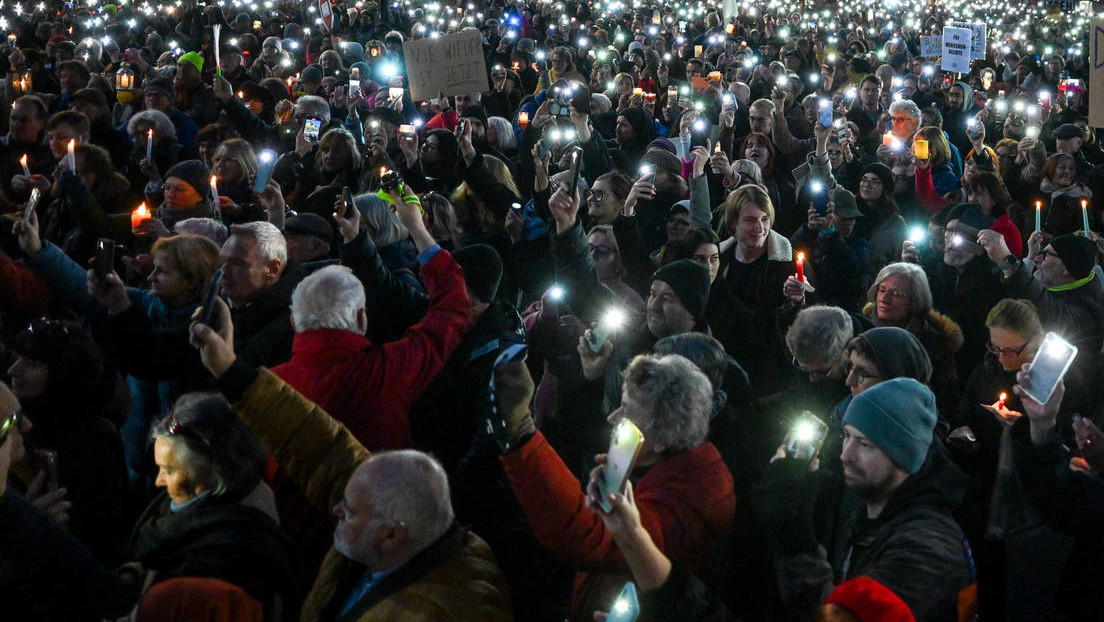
point(947, 327)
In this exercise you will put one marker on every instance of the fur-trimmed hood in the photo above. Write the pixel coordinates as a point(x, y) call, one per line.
point(945, 326)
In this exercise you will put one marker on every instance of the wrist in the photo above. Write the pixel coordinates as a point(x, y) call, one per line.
point(1042, 430)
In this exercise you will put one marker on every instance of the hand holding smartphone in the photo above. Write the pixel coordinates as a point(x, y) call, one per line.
point(311, 128)
point(207, 316)
point(104, 261)
point(1049, 366)
point(624, 448)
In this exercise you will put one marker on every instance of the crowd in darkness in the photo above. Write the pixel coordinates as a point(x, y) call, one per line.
point(279, 341)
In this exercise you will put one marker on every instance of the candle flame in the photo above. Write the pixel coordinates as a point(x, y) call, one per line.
point(800, 257)
point(1038, 205)
point(383, 171)
point(142, 211)
point(1003, 396)
point(72, 143)
point(214, 181)
point(23, 160)
point(1084, 203)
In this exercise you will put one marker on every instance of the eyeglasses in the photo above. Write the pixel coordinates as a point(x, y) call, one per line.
point(49, 328)
point(892, 293)
point(860, 375)
point(821, 374)
point(1006, 351)
point(173, 188)
point(10, 423)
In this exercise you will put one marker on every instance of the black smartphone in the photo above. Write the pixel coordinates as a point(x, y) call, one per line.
point(820, 197)
point(104, 261)
point(207, 315)
point(576, 164)
point(347, 194)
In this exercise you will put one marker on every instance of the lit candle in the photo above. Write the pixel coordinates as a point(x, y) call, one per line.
point(139, 216)
point(241, 95)
point(72, 155)
point(887, 139)
point(26, 170)
point(216, 30)
point(214, 192)
point(290, 92)
point(523, 120)
point(266, 162)
point(1085, 215)
point(149, 144)
point(801, 267)
point(1000, 401)
point(1038, 215)
point(517, 67)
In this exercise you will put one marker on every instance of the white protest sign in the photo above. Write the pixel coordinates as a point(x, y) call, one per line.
point(978, 42)
point(1096, 73)
point(931, 46)
point(957, 49)
point(446, 65)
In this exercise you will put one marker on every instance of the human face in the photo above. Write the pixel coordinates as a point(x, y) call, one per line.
point(1012, 348)
point(904, 126)
point(58, 138)
point(835, 154)
point(179, 194)
point(753, 227)
point(24, 126)
point(1049, 269)
point(335, 156)
point(156, 100)
point(187, 76)
point(602, 204)
point(862, 373)
point(756, 151)
point(167, 282)
point(954, 98)
point(269, 51)
point(559, 62)
point(677, 224)
point(172, 474)
point(665, 312)
point(819, 367)
point(1068, 146)
point(606, 261)
point(867, 470)
point(634, 410)
point(226, 167)
point(244, 275)
point(869, 94)
point(478, 130)
point(871, 187)
point(625, 132)
point(892, 300)
point(983, 197)
point(70, 81)
point(709, 255)
point(29, 378)
point(953, 253)
point(1065, 173)
point(357, 524)
point(430, 151)
point(759, 120)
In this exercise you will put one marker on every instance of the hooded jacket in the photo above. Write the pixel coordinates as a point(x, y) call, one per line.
point(914, 547)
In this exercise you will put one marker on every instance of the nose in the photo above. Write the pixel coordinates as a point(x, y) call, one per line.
point(614, 417)
point(339, 510)
point(160, 481)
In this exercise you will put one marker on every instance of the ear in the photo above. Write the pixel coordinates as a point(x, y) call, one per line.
point(362, 320)
point(392, 537)
point(272, 270)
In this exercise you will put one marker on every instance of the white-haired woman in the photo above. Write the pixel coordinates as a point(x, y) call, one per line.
point(901, 297)
point(165, 152)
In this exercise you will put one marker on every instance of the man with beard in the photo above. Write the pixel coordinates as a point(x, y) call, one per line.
point(903, 534)
point(634, 130)
point(965, 287)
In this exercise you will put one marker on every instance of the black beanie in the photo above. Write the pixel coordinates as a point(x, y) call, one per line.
point(898, 353)
point(475, 111)
point(971, 215)
point(884, 173)
point(194, 173)
point(482, 270)
point(690, 280)
point(1077, 252)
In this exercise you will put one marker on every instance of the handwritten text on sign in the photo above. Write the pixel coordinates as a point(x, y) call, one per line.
point(957, 44)
point(447, 65)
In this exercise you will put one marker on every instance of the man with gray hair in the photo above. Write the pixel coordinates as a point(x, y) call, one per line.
point(904, 116)
point(257, 280)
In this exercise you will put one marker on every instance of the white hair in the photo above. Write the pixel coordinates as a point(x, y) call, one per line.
point(906, 106)
point(329, 298)
point(410, 487)
point(314, 106)
point(160, 121)
point(505, 133)
point(206, 227)
point(270, 242)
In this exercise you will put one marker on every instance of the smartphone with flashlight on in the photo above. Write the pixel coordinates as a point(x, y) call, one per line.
point(624, 448)
point(1050, 365)
point(576, 164)
point(311, 129)
point(347, 196)
point(626, 608)
point(647, 172)
point(103, 263)
point(820, 197)
point(826, 113)
point(806, 435)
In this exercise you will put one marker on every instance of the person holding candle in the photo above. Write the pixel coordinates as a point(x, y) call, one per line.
point(26, 135)
point(1062, 191)
point(748, 289)
point(141, 170)
point(185, 193)
point(92, 103)
point(234, 165)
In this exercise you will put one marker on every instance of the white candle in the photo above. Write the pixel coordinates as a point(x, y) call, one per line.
point(26, 169)
point(149, 143)
point(72, 155)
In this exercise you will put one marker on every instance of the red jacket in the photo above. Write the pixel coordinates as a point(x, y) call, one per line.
point(369, 387)
point(686, 504)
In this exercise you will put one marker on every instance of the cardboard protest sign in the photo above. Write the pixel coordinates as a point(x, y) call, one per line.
point(326, 13)
point(446, 65)
point(1096, 73)
point(931, 46)
point(957, 46)
point(977, 49)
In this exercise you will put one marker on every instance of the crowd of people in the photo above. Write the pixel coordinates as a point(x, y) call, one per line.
point(282, 342)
